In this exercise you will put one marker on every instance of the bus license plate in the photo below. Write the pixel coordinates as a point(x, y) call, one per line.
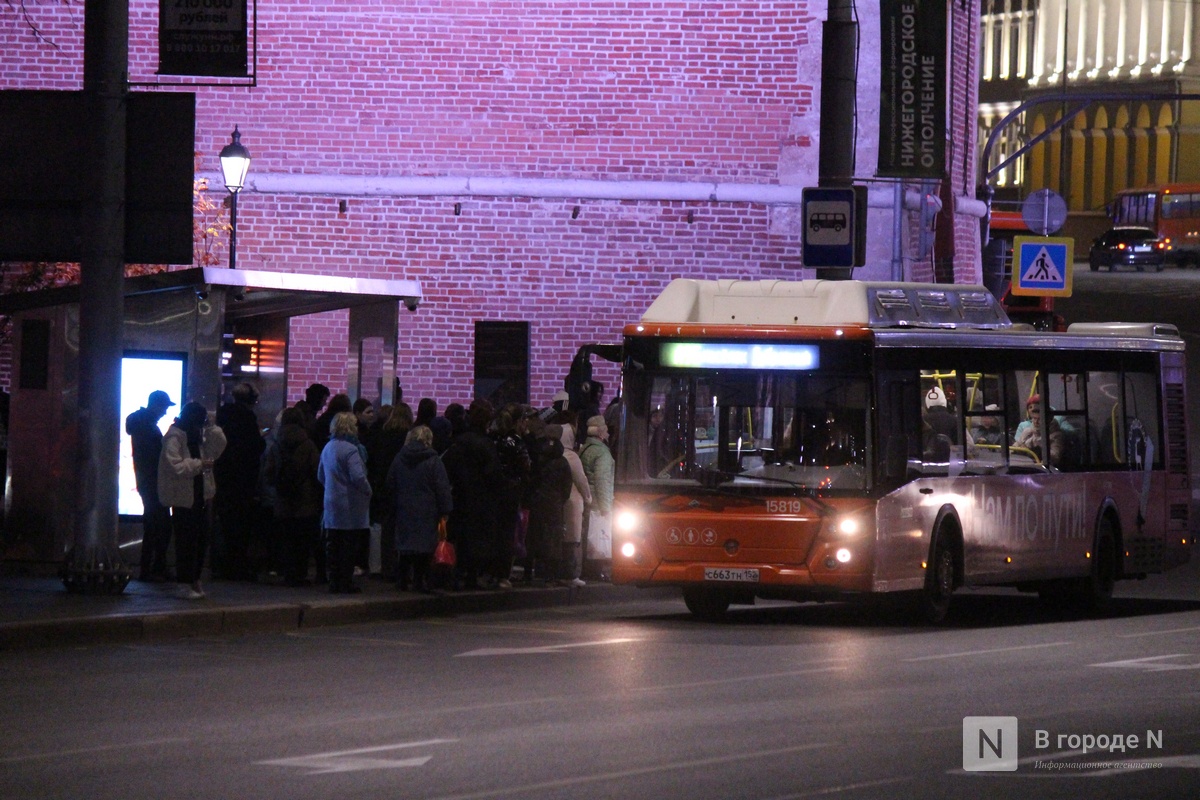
point(737, 575)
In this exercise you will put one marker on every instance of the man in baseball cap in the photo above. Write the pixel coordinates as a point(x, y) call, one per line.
point(159, 399)
point(143, 430)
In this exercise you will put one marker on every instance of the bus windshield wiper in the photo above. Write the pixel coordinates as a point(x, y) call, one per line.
point(715, 479)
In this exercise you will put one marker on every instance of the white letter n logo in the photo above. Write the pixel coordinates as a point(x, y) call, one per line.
point(990, 744)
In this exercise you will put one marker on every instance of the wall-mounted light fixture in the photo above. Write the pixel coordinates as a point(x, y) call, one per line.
point(458, 209)
point(343, 206)
point(575, 212)
point(691, 216)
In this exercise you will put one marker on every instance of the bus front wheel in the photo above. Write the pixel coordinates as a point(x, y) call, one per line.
point(706, 604)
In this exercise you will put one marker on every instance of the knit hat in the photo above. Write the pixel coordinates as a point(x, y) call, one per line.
point(595, 425)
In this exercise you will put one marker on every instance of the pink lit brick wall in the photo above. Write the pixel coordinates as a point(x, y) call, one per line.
point(654, 90)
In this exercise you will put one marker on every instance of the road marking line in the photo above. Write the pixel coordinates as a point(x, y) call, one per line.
point(987, 652)
point(552, 648)
point(1145, 664)
point(98, 749)
point(632, 773)
point(1156, 633)
point(353, 760)
point(839, 789)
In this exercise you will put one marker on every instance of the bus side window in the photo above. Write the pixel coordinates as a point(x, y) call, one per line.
point(1141, 406)
point(1067, 395)
point(1104, 418)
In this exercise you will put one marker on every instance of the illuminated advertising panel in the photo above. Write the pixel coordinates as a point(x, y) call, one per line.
point(141, 374)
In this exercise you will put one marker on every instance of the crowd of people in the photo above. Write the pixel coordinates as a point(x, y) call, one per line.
point(507, 488)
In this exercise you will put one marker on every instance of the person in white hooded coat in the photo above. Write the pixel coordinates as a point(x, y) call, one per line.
point(186, 486)
point(573, 509)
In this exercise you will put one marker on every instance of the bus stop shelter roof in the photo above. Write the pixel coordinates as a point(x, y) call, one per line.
point(251, 293)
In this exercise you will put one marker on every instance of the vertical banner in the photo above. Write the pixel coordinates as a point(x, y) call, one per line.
point(202, 37)
point(912, 113)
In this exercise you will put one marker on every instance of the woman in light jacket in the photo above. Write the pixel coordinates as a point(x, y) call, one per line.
point(581, 497)
point(347, 518)
point(186, 486)
point(598, 466)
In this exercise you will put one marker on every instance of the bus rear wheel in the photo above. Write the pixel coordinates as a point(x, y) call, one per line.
point(706, 604)
point(1096, 590)
point(940, 580)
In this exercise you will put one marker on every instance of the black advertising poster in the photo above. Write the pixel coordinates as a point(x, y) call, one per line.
point(202, 37)
point(912, 113)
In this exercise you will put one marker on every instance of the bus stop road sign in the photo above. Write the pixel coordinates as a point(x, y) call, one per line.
point(834, 220)
point(1042, 266)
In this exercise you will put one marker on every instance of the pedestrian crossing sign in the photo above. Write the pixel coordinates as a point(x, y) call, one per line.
point(1042, 265)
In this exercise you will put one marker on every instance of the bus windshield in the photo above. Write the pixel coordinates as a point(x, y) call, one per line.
point(744, 429)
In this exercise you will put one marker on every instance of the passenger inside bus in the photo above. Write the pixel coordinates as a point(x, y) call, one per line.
point(989, 429)
point(1029, 432)
point(939, 425)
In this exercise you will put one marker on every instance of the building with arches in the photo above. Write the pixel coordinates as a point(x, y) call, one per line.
point(1138, 54)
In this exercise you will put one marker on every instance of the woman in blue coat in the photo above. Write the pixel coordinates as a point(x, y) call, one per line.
point(419, 490)
point(347, 518)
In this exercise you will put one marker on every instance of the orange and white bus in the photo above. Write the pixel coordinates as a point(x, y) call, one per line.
point(815, 440)
point(1171, 210)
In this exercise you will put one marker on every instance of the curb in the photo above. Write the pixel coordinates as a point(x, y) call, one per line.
point(226, 620)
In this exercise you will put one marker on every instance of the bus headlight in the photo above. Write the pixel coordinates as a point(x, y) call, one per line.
point(627, 521)
point(843, 555)
point(848, 526)
point(628, 550)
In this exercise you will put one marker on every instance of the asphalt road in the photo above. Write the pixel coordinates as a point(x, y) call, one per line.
point(629, 700)
point(638, 700)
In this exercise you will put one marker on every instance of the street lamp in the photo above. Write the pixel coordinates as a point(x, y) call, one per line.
point(235, 163)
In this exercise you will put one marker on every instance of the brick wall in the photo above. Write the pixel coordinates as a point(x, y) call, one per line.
point(653, 90)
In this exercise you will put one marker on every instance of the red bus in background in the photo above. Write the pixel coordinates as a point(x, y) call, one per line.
point(1171, 210)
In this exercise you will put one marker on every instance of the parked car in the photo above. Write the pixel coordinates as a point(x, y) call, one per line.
point(1128, 247)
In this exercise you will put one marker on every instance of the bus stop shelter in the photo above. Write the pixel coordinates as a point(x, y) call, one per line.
point(194, 333)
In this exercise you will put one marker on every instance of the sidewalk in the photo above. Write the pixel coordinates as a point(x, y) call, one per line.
point(38, 611)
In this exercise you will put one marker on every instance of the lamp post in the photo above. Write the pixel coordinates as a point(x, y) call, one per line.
point(235, 163)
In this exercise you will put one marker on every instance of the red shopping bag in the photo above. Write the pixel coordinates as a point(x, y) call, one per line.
point(444, 555)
